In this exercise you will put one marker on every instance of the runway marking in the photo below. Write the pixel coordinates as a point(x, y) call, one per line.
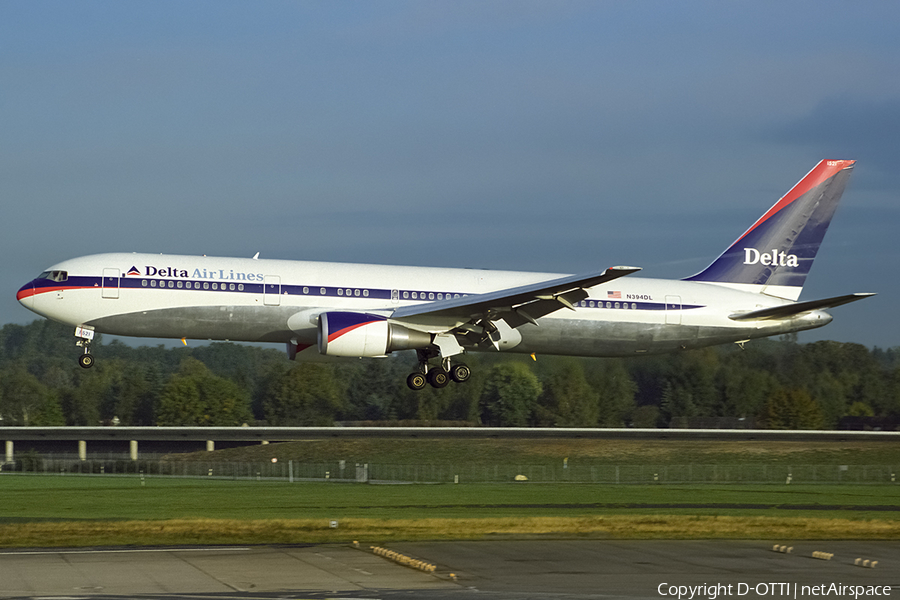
point(129, 551)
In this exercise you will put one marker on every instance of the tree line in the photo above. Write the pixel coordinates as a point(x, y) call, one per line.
point(769, 384)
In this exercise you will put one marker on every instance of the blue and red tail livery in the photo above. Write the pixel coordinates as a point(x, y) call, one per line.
point(776, 253)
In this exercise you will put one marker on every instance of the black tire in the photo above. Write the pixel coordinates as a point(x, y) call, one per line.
point(460, 373)
point(416, 381)
point(438, 378)
point(86, 361)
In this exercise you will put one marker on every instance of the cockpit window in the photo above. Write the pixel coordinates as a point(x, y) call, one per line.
point(54, 275)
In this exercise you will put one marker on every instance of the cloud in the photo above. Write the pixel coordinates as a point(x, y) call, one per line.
point(865, 129)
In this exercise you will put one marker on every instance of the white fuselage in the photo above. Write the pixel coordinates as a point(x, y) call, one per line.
point(168, 296)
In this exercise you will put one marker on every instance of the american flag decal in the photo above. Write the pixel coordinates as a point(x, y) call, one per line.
point(614, 295)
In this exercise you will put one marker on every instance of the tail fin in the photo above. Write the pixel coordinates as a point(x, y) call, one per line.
point(774, 256)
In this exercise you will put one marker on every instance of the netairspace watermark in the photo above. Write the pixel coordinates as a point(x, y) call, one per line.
point(790, 590)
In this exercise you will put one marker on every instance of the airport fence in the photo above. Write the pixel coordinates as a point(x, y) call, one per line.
point(345, 471)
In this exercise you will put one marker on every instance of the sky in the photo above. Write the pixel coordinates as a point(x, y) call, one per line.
point(560, 136)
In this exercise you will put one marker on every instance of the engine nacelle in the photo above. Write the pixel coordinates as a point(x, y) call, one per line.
point(363, 334)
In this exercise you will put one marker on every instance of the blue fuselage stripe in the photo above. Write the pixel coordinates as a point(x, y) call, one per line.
point(281, 289)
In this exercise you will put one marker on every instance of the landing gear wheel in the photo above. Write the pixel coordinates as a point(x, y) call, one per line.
point(438, 378)
point(460, 373)
point(416, 381)
point(86, 361)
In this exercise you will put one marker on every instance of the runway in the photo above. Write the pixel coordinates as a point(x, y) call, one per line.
point(495, 570)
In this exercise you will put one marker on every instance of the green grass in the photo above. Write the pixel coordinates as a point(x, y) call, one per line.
point(90, 511)
point(29, 497)
point(69, 510)
point(553, 451)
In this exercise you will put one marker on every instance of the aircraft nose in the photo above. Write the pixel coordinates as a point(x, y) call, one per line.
point(25, 295)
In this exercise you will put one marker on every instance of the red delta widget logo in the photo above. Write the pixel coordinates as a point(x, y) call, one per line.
point(775, 258)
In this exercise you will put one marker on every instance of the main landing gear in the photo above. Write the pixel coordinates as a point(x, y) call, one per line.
point(85, 336)
point(438, 376)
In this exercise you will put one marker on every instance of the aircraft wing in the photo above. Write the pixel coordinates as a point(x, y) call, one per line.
point(516, 306)
point(787, 311)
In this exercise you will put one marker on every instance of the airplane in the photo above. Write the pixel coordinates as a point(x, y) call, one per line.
point(322, 309)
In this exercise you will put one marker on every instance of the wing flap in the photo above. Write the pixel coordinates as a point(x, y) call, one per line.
point(786, 311)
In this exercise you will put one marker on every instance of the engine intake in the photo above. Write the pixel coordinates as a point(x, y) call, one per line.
point(363, 334)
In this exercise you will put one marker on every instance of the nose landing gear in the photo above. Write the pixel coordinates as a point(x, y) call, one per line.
point(85, 336)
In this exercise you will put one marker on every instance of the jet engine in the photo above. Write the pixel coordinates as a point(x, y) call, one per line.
point(363, 334)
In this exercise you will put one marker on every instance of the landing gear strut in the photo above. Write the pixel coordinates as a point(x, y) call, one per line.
point(85, 335)
point(438, 376)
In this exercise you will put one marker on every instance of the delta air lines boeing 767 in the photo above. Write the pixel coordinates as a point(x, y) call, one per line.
point(355, 310)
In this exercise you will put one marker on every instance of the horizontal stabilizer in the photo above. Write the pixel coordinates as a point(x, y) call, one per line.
point(787, 311)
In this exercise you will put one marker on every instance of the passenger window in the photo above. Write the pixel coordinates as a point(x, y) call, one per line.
point(405, 295)
point(231, 286)
point(152, 283)
point(240, 287)
point(366, 293)
point(144, 282)
point(322, 291)
point(305, 290)
point(340, 291)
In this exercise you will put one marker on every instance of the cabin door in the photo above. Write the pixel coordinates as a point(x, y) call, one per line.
point(673, 310)
point(272, 290)
point(110, 283)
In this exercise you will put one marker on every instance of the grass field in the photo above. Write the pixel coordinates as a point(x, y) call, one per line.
point(553, 451)
point(74, 511)
point(57, 510)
